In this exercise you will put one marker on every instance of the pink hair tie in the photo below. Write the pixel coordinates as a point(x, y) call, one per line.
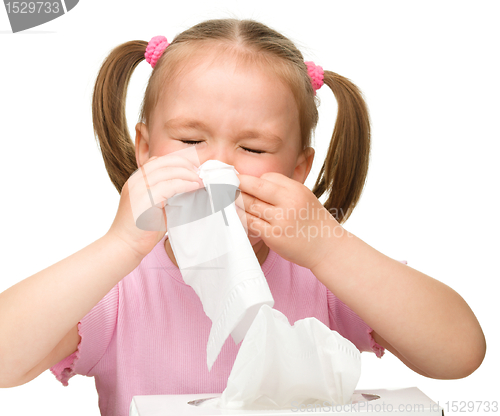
point(155, 48)
point(316, 74)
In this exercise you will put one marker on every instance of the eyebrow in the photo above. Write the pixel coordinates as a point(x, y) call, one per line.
point(251, 134)
point(184, 123)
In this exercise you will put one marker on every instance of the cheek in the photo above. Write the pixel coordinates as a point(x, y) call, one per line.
point(157, 148)
point(258, 166)
point(163, 147)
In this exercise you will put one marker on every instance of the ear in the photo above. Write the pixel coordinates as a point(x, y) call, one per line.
point(141, 144)
point(304, 164)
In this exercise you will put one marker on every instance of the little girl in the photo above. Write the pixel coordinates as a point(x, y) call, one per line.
point(119, 309)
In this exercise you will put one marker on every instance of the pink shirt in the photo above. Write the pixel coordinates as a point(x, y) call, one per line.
point(149, 334)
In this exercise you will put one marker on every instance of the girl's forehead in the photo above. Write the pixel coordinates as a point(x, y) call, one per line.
point(226, 94)
point(230, 65)
point(225, 77)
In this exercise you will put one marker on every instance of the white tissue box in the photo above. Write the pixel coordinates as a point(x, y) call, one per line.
point(407, 401)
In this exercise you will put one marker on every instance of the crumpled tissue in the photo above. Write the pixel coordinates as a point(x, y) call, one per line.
point(280, 366)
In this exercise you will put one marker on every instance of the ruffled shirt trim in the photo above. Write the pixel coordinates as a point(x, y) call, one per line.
point(64, 369)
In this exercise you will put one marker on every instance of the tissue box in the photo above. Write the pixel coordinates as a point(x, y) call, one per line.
point(407, 401)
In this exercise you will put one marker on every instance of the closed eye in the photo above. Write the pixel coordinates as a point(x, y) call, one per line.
point(253, 151)
point(195, 142)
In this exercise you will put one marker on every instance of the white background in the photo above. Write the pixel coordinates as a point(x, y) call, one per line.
point(429, 71)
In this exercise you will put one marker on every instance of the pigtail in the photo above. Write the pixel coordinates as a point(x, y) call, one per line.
point(344, 171)
point(108, 111)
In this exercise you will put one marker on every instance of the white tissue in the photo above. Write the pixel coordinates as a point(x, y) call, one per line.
point(215, 256)
point(280, 366)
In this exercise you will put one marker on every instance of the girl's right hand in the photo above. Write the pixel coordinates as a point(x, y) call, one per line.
point(141, 220)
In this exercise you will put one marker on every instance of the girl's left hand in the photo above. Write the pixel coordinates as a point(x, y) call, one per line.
point(288, 217)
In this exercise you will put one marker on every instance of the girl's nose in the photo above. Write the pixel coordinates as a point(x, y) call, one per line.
point(218, 152)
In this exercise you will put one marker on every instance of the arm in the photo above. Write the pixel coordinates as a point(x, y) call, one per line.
point(425, 323)
point(38, 312)
point(421, 320)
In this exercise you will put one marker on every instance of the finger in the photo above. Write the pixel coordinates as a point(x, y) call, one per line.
point(239, 202)
point(277, 178)
point(142, 197)
point(167, 173)
point(145, 171)
point(168, 160)
point(167, 189)
point(263, 189)
point(255, 206)
point(152, 216)
point(256, 227)
point(243, 218)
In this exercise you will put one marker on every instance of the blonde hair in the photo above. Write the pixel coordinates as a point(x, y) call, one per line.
point(343, 174)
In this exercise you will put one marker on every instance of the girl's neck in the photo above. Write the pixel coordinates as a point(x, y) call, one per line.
point(260, 249)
